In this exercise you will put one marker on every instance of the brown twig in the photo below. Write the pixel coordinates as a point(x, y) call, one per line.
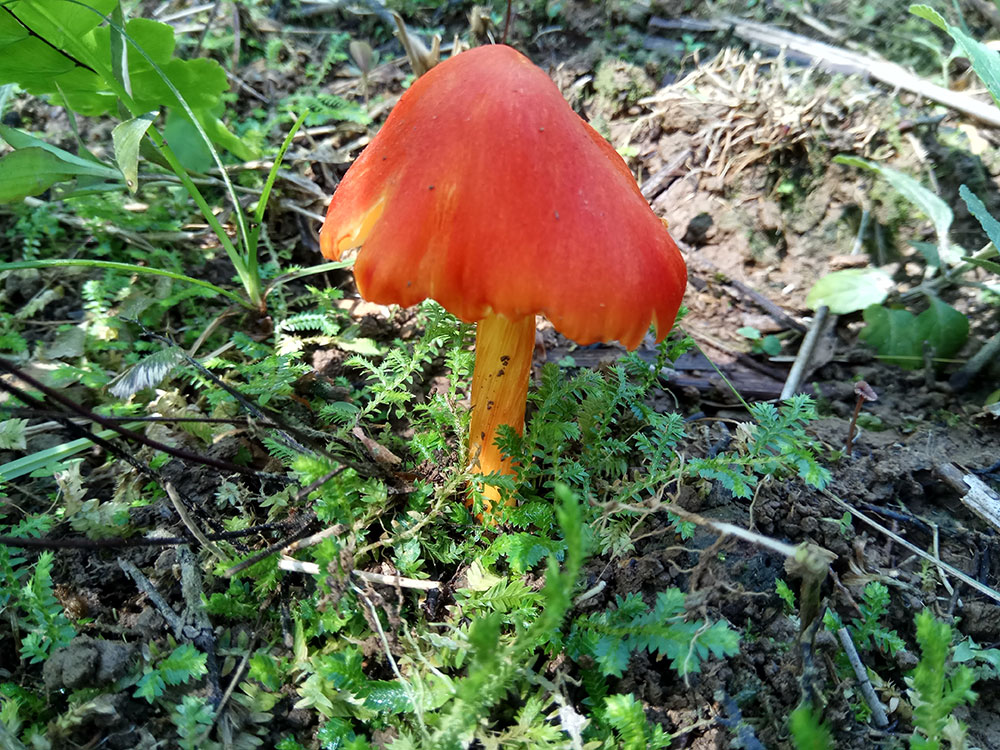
point(779, 315)
point(878, 712)
point(15, 411)
point(662, 178)
point(771, 308)
point(195, 530)
point(206, 28)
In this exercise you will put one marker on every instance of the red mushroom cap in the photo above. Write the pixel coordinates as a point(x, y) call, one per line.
point(486, 192)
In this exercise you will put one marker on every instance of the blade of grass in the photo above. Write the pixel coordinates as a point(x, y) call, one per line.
point(266, 194)
point(128, 268)
point(303, 272)
point(19, 467)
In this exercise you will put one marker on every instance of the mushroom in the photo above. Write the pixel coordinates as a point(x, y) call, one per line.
point(486, 192)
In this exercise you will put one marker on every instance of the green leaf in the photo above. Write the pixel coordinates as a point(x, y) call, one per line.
point(895, 335)
point(930, 204)
point(985, 61)
point(524, 550)
point(186, 142)
point(930, 252)
point(944, 328)
point(612, 655)
point(967, 650)
point(29, 171)
point(184, 663)
point(850, 290)
point(71, 56)
point(808, 731)
point(976, 207)
point(127, 136)
point(18, 139)
point(364, 347)
point(272, 174)
point(150, 686)
point(34, 36)
point(119, 48)
point(771, 345)
point(899, 336)
point(989, 265)
point(52, 459)
point(388, 697)
point(35, 166)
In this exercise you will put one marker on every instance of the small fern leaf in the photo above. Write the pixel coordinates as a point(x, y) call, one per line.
point(148, 373)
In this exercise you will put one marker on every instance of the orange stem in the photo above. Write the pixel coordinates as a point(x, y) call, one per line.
point(499, 392)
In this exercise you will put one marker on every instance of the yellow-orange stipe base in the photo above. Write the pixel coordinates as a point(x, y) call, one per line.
point(504, 349)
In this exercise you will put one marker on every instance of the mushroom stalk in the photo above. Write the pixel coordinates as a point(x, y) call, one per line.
point(504, 349)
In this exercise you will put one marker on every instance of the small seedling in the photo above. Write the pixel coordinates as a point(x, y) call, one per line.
point(864, 392)
point(937, 689)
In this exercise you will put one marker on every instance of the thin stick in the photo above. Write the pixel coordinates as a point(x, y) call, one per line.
point(805, 354)
point(237, 676)
point(781, 317)
point(407, 687)
point(311, 568)
point(772, 309)
point(406, 583)
point(207, 27)
point(319, 536)
point(660, 179)
point(146, 586)
point(782, 548)
point(191, 525)
point(590, 593)
point(981, 588)
point(859, 240)
point(937, 553)
point(265, 553)
point(297, 539)
point(878, 712)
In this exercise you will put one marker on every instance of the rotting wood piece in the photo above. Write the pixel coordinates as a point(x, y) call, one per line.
point(976, 495)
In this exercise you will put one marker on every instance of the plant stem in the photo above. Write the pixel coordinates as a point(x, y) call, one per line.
point(849, 447)
point(499, 391)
